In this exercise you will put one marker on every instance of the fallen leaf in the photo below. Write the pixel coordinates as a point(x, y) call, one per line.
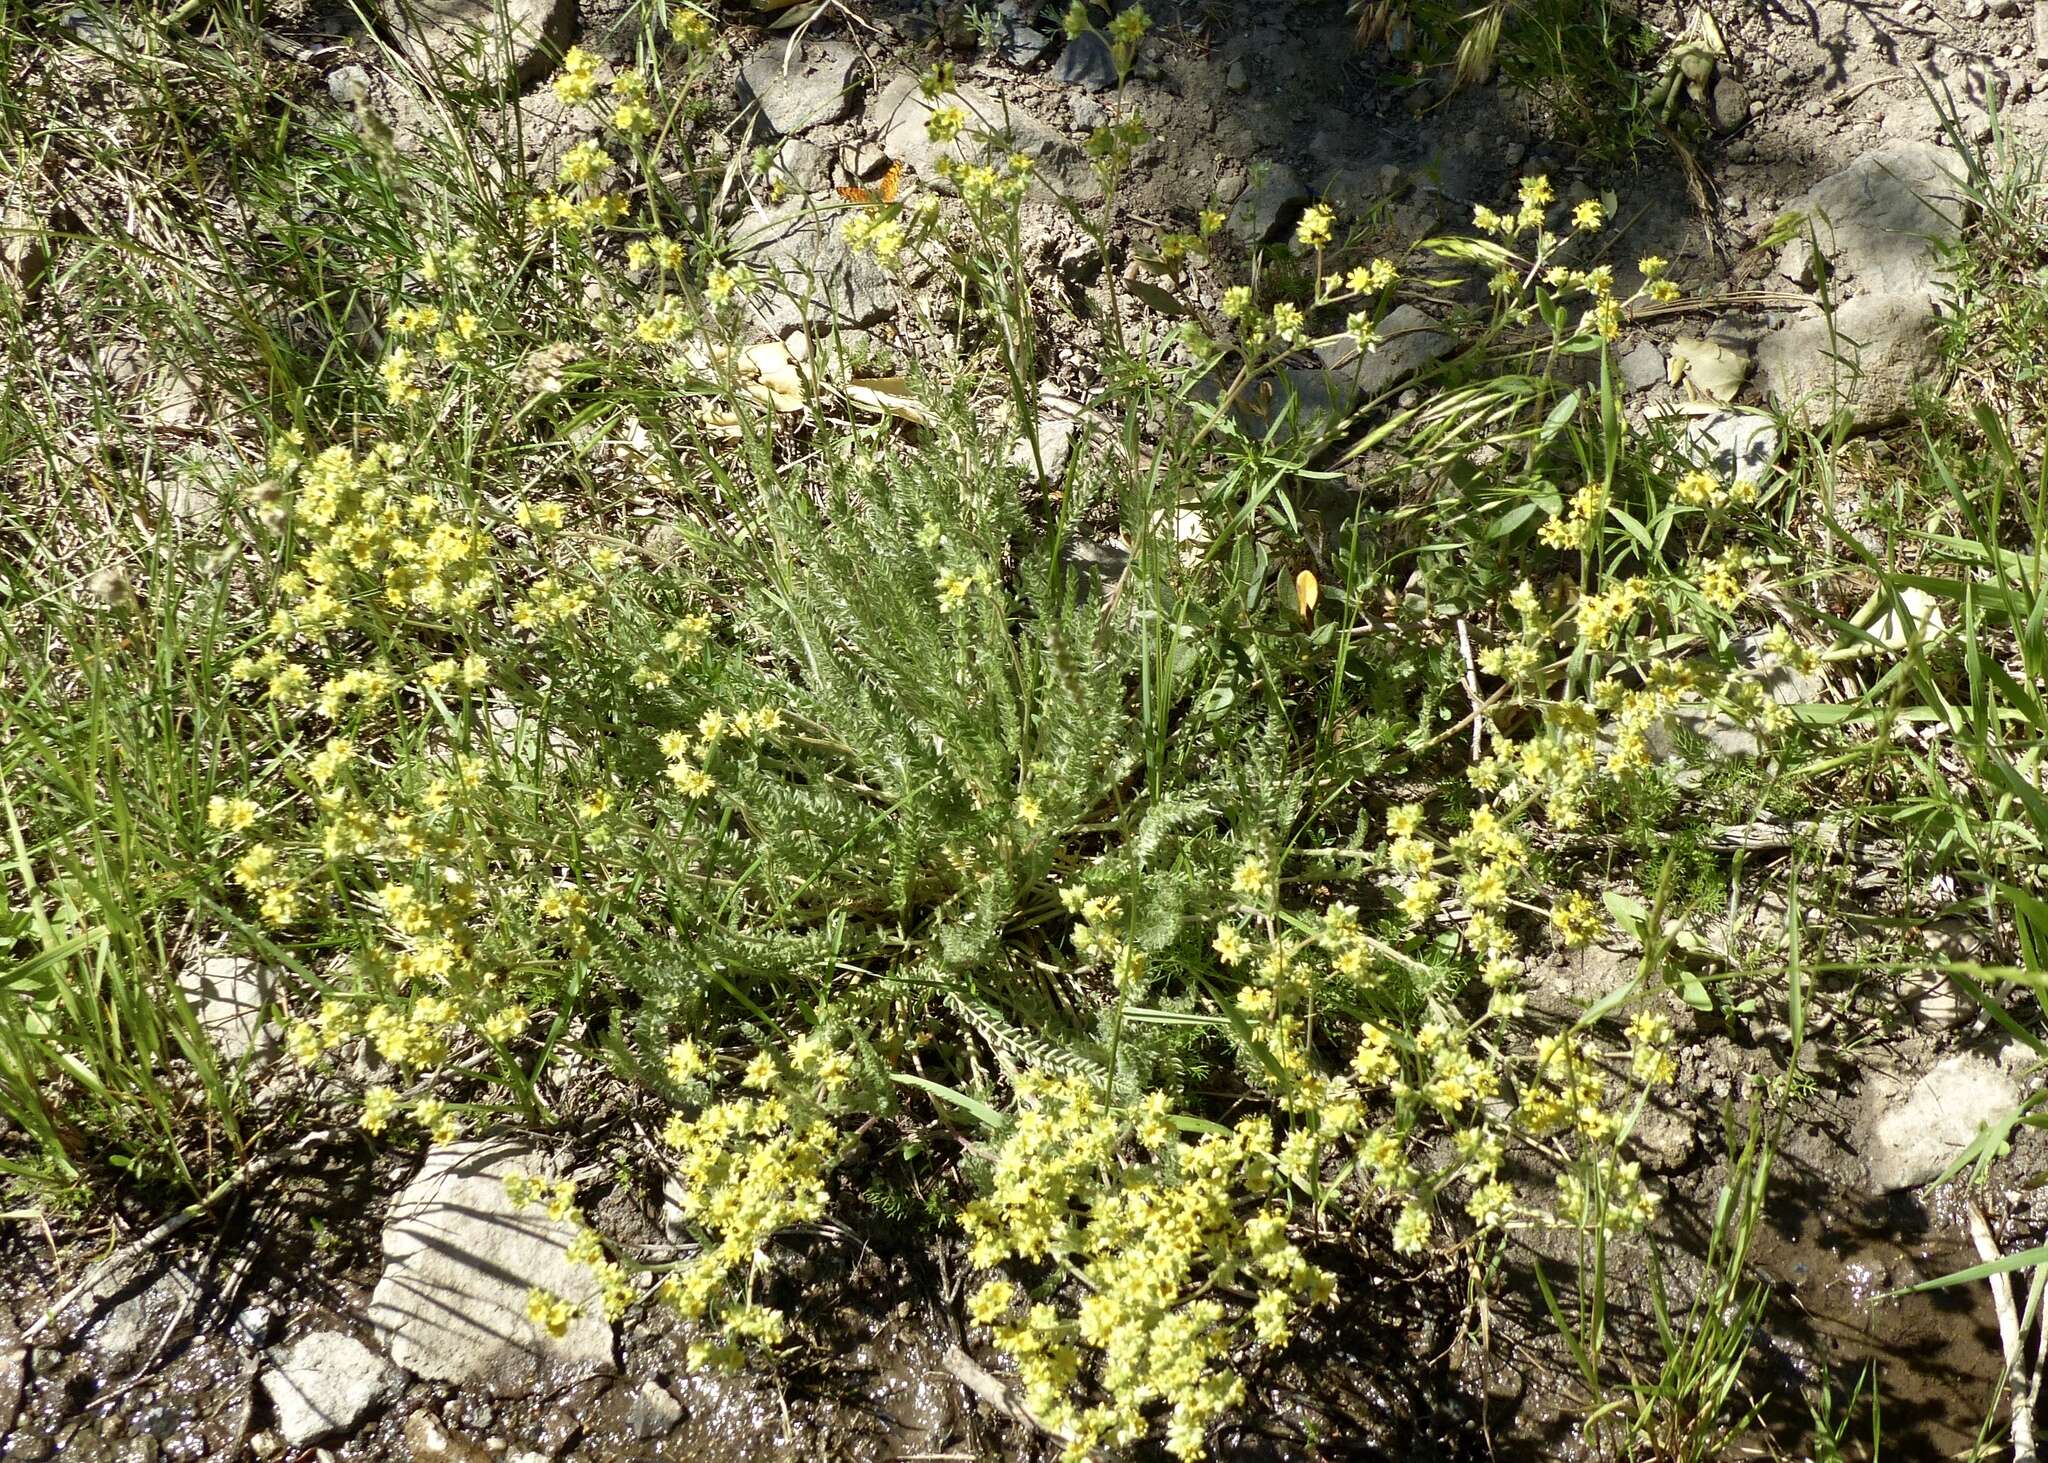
point(1707, 367)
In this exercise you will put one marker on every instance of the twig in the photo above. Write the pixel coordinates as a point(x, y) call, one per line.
point(247, 1174)
point(992, 1390)
point(2010, 1341)
point(1472, 689)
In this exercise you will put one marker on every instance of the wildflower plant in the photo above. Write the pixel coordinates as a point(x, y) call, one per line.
point(576, 670)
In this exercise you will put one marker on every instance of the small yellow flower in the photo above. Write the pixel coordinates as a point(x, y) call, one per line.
point(233, 814)
point(1253, 878)
point(1317, 227)
point(380, 1105)
point(1588, 216)
point(953, 588)
point(547, 1310)
point(1231, 945)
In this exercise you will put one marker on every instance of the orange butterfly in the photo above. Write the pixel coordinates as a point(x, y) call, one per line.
point(882, 193)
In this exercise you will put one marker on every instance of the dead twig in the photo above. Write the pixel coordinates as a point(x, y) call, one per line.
point(993, 1391)
point(1472, 690)
point(2022, 1378)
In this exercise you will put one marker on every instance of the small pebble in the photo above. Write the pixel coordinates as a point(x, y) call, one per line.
point(349, 85)
point(1730, 104)
point(256, 1325)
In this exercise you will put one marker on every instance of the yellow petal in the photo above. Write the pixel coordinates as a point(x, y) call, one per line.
point(1306, 593)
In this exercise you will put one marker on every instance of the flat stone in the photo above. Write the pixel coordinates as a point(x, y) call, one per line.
point(133, 1305)
point(229, 996)
point(1666, 1142)
point(1087, 63)
point(1878, 221)
point(24, 250)
point(898, 116)
point(809, 275)
point(1409, 341)
point(500, 42)
point(1306, 403)
point(1270, 203)
point(793, 88)
point(1731, 444)
point(1880, 349)
point(808, 166)
point(325, 1384)
point(1642, 367)
point(1910, 1134)
point(459, 1261)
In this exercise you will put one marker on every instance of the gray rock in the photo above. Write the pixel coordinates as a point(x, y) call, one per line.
point(1878, 221)
point(432, 1441)
point(149, 1299)
point(809, 275)
point(1935, 1002)
point(654, 1413)
point(1087, 63)
point(560, 1429)
point(1879, 349)
point(1909, 1135)
point(1306, 403)
point(1642, 367)
point(325, 1384)
point(808, 165)
point(1269, 204)
point(1060, 420)
point(459, 1261)
point(350, 86)
point(1409, 341)
point(1236, 78)
point(229, 995)
point(499, 42)
point(257, 1325)
point(2041, 32)
point(898, 116)
point(1729, 104)
point(793, 88)
point(1665, 1141)
point(1017, 41)
point(1784, 685)
point(1730, 444)
point(1713, 735)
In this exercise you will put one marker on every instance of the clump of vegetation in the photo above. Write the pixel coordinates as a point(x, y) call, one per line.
point(1587, 61)
point(1156, 869)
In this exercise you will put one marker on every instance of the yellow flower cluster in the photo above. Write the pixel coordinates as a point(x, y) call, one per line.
point(1150, 1242)
point(1699, 489)
point(748, 1168)
point(1588, 509)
